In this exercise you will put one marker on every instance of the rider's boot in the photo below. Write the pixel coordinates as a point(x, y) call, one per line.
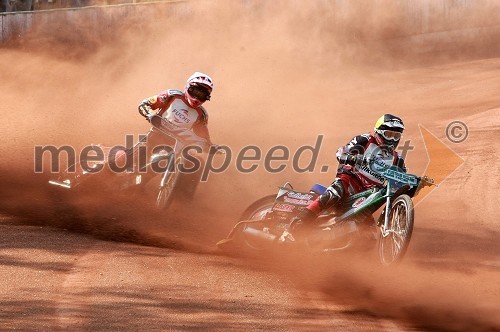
point(298, 228)
point(331, 197)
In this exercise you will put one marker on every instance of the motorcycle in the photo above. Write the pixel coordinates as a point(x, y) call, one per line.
point(349, 225)
point(164, 165)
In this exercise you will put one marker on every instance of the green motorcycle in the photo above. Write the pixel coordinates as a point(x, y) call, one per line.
point(349, 225)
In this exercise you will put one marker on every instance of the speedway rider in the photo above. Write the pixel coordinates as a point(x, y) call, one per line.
point(181, 108)
point(353, 177)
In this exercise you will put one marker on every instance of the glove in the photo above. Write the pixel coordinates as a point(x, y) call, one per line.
point(145, 109)
point(350, 159)
point(149, 116)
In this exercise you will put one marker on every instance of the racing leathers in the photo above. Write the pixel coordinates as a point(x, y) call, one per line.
point(173, 106)
point(353, 177)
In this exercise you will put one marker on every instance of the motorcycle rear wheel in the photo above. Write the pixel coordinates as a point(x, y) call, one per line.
point(241, 243)
point(393, 246)
point(258, 209)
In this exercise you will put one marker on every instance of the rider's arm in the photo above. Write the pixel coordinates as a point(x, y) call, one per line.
point(153, 102)
point(355, 146)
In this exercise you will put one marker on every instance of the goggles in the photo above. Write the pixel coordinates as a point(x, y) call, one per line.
point(199, 92)
point(390, 135)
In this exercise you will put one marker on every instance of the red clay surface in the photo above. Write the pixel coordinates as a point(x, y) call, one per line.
point(114, 265)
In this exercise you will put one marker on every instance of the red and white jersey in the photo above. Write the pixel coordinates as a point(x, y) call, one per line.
point(173, 106)
point(367, 145)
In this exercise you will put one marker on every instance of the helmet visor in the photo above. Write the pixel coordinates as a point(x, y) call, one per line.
point(199, 92)
point(390, 135)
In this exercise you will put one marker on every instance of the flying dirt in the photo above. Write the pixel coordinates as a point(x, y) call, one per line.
point(284, 75)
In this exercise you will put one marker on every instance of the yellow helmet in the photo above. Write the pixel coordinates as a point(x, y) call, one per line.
point(388, 130)
point(390, 122)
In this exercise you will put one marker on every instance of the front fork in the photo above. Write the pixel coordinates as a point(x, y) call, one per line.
point(170, 167)
point(387, 211)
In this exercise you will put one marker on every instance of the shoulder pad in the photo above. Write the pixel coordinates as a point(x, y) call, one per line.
point(358, 144)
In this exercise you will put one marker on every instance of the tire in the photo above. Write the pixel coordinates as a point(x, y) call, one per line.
point(166, 193)
point(257, 210)
point(239, 243)
point(392, 248)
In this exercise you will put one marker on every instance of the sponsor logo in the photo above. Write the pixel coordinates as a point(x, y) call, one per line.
point(153, 99)
point(401, 177)
point(181, 116)
point(283, 207)
point(379, 165)
point(359, 202)
point(296, 201)
point(299, 195)
point(374, 175)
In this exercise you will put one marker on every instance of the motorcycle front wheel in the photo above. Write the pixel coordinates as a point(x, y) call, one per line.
point(393, 244)
point(165, 193)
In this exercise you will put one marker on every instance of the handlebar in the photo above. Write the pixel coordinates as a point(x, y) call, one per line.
point(182, 134)
point(350, 159)
point(427, 181)
point(360, 159)
point(178, 133)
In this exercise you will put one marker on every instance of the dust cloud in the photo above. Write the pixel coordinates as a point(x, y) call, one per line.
point(284, 74)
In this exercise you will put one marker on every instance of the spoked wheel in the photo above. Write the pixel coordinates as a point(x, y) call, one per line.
point(165, 193)
point(392, 246)
point(257, 211)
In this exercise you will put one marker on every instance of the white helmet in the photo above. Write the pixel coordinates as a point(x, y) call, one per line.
point(200, 78)
point(199, 86)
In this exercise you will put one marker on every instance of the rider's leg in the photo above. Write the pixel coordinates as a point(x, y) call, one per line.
point(343, 186)
point(302, 224)
point(330, 198)
point(138, 155)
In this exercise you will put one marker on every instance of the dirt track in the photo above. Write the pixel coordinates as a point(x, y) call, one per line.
point(55, 279)
point(84, 273)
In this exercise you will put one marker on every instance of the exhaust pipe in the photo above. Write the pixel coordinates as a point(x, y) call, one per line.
point(259, 235)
